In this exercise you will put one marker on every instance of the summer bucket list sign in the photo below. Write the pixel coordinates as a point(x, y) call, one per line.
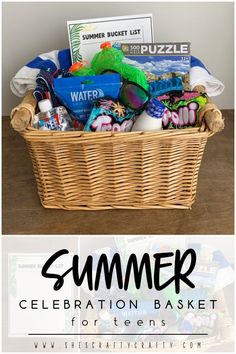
point(118, 294)
point(85, 36)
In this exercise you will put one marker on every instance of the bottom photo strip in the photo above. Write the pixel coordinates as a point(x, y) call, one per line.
point(118, 293)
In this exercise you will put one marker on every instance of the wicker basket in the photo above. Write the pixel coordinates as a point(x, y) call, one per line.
point(137, 170)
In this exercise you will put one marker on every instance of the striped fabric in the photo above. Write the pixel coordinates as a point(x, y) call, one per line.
point(25, 78)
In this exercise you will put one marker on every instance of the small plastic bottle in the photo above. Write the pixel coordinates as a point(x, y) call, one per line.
point(52, 118)
point(45, 105)
point(151, 118)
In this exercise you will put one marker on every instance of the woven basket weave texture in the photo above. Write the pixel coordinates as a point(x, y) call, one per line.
point(92, 171)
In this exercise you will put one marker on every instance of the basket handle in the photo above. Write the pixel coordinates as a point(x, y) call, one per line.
point(210, 117)
point(22, 115)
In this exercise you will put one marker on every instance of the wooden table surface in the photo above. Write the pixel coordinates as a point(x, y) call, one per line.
point(212, 213)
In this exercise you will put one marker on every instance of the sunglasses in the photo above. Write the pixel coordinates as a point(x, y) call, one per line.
point(131, 94)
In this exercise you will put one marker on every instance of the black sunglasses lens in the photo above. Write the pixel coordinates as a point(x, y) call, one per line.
point(133, 96)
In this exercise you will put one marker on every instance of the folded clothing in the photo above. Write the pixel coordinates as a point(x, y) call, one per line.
point(25, 78)
point(44, 88)
point(200, 75)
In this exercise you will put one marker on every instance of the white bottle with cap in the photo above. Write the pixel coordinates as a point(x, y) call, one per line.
point(45, 105)
point(151, 118)
point(52, 118)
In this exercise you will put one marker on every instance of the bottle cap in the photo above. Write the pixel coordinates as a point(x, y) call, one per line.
point(155, 108)
point(45, 105)
point(76, 66)
point(105, 45)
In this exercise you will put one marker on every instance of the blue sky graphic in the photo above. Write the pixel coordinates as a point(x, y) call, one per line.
point(159, 65)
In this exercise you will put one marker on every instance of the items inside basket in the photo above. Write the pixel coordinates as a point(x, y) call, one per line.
point(121, 88)
point(115, 96)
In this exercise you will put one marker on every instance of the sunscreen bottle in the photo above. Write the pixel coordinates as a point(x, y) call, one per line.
point(151, 118)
